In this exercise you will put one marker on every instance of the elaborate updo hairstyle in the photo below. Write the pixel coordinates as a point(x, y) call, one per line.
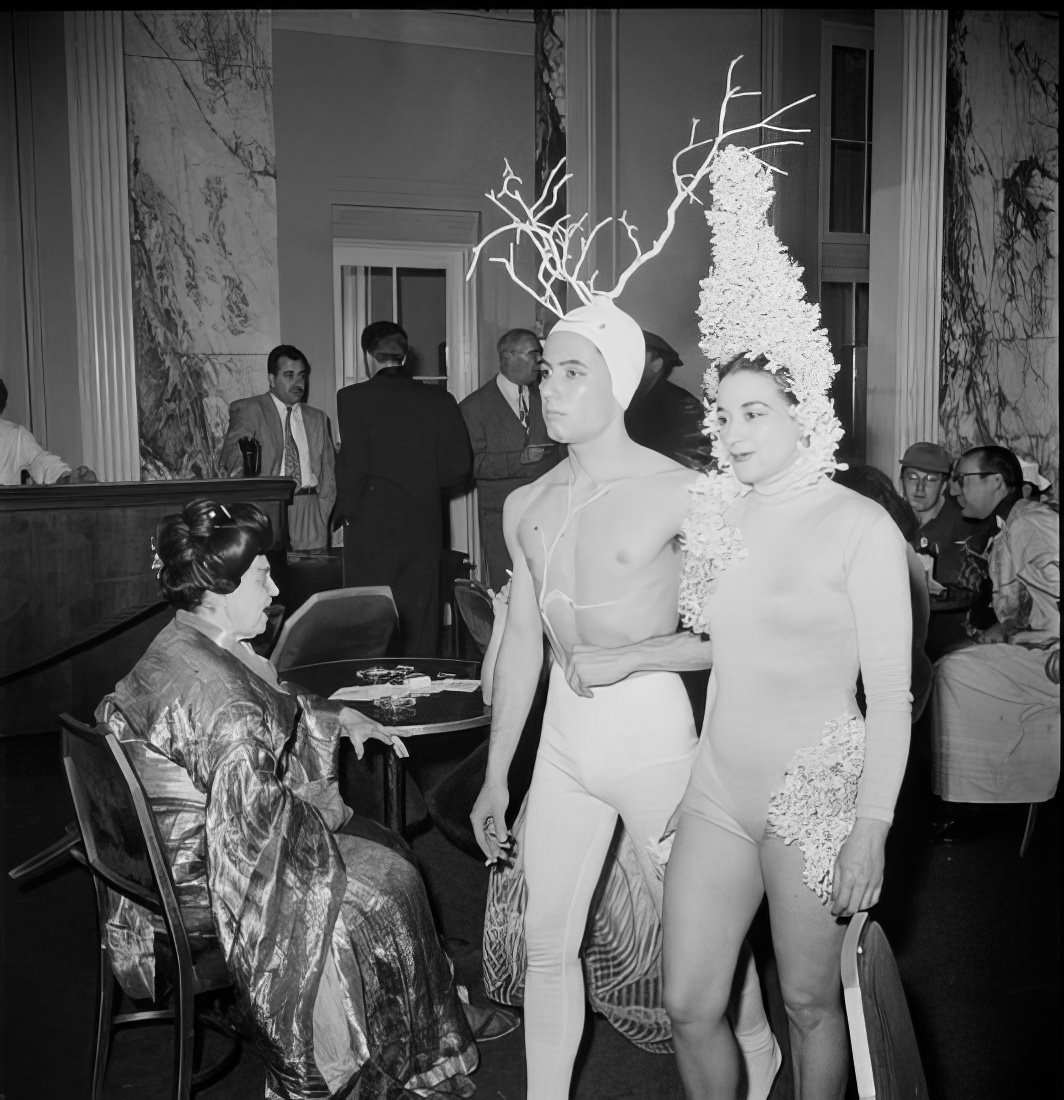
point(208, 548)
point(759, 365)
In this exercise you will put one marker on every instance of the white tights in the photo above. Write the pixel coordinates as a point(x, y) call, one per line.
point(627, 751)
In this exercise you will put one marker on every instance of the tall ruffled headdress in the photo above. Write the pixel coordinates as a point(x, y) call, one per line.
point(564, 246)
point(752, 303)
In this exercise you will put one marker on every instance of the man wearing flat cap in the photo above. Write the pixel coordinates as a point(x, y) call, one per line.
point(954, 543)
point(664, 416)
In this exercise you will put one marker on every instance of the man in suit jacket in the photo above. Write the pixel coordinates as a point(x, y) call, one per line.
point(403, 448)
point(664, 416)
point(296, 441)
point(510, 442)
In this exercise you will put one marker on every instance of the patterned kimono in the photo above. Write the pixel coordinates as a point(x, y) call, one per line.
point(328, 937)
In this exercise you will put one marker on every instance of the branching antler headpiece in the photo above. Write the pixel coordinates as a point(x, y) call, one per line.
point(565, 245)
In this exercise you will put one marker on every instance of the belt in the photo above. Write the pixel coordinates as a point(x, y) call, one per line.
point(308, 491)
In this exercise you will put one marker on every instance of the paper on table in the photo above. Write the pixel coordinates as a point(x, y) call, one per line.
point(364, 693)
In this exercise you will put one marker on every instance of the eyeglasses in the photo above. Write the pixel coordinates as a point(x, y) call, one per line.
point(958, 479)
point(911, 477)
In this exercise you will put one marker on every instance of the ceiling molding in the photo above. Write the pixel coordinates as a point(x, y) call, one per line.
point(503, 30)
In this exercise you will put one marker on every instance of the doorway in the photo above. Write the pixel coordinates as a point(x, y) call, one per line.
point(423, 288)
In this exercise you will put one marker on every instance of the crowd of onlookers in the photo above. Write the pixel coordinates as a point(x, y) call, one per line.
point(987, 531)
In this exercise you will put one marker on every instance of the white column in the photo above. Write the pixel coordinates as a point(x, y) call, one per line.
point(923, 141)
point(771, 73)
point(100, 197)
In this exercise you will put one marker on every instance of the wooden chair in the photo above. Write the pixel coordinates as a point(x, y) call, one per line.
point(338, 625)
point(886, 1059)
point(476, 609)
point(122, 848)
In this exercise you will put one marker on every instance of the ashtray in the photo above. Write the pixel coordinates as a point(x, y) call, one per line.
point(394, 707)
point(375, 675)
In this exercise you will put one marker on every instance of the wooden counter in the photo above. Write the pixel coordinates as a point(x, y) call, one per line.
point(78, 599)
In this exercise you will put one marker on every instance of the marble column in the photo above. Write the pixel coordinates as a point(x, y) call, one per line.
point(106, 369)
point(920, 246)
point(1000, 338)
point(203, 216)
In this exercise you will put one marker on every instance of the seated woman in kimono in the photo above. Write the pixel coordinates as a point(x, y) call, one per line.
point(327, 933)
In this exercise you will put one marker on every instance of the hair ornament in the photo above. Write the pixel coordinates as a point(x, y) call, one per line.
point(212, 514)
point(156, 561)
point(564, 245)
point(753, 304)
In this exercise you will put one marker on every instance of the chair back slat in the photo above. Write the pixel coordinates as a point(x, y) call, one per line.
point(477, 611)
point(121, 838)
point(338, 625)
point(887, 1064)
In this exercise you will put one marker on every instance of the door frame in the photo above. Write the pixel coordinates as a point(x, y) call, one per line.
point(462, 343)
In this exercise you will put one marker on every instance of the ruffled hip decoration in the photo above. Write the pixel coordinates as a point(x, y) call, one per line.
point(817, 804)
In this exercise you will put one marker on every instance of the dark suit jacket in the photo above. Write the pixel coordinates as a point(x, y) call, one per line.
point(668, 419)
point(257, 416)
point(403, 446)
point(501, 450)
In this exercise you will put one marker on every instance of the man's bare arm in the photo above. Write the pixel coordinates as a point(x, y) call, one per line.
point(591, 666)
point(515, 677)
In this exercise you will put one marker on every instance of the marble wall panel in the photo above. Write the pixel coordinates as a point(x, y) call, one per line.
point(203, 226)
point(1000, 336)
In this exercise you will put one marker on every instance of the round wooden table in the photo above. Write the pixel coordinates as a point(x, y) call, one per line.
point(441, 712)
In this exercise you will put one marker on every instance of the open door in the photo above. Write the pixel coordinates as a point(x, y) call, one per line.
point(423, 288)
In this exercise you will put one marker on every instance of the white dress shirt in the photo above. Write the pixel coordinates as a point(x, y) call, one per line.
point(299, 434)
point(512, 392)
point(20, 451)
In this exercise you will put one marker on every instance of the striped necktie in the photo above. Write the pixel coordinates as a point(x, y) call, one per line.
point(522, 407)
point(291, 451)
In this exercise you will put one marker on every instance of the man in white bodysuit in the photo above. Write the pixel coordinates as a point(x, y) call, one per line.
point(597, 562)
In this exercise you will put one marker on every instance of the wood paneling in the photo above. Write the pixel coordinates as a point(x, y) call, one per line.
point(78, 599)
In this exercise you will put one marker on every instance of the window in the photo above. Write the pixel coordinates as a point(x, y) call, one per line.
point(845, 218)
point(416, 299)
point(850, 140)
point(844, 311)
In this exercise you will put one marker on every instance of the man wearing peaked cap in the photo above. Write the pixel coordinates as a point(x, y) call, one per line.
point(954, 543)
point(664, 416)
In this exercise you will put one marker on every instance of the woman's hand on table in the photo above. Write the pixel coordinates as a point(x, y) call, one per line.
point(858, 876)
point(360, 728)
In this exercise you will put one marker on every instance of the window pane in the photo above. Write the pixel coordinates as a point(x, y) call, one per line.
point(861, 318)
point(836, 311)
point(847, 188)
point(423, 313)
point(379, 306)
point(849, 85)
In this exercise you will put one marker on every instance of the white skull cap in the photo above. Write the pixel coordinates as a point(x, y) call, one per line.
point(619, 341)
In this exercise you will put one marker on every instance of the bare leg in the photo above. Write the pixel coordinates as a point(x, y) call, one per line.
point(807, 941)
point(712, 890)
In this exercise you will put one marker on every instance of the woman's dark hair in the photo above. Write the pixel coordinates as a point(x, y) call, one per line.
point(208, 548)
point(759, 365)
point(873, 483)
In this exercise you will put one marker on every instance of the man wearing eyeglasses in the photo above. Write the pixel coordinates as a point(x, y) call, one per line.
point(997, 704)
point(956, 542)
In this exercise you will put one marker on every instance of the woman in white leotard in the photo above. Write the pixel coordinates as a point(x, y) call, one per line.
point(791, 794)
point(597, 563)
